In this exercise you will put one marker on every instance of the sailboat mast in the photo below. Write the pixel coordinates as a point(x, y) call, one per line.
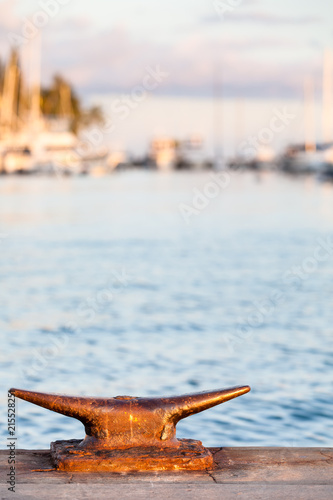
point(9, 98)
point(309, 116)
point(327, 97)
point(239, 122)
point(36, 81)
point(218, 116)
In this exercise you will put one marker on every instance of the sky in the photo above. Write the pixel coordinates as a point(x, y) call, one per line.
point(243, 49)
point(258, 48)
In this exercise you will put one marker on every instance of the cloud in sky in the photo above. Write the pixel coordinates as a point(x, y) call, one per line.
point(114, 61)
point(8, 19)
point(8, 22)
point(99, 60)
point(239, 16)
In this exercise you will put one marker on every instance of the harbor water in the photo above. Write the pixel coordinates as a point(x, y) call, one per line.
point(145, 283)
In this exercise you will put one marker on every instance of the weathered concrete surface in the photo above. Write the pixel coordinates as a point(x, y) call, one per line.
point(242, 473)
point(152, 491)
point(275, 465)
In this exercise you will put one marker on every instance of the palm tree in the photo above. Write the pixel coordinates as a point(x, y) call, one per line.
point(60, 100)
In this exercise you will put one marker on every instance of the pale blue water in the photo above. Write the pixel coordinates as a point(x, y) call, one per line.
point(129, 299)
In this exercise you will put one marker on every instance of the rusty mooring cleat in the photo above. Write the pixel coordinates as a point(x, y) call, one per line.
point(126, 433)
